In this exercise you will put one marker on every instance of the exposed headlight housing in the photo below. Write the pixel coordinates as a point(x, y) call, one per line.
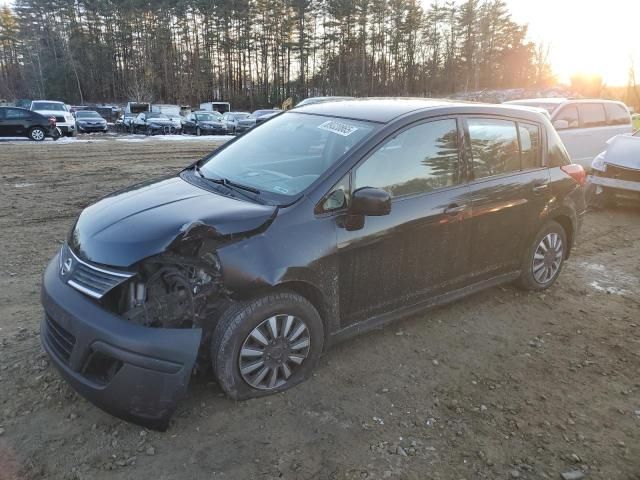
point(598, 163)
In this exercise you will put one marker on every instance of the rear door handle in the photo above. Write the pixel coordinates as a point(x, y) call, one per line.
point(540, 188)
point(454, 209)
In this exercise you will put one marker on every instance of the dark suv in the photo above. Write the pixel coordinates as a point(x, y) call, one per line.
point(322, 223)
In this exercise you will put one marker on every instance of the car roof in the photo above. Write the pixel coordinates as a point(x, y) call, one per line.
point(385, 110)
point(559, 101)
point(48, 101)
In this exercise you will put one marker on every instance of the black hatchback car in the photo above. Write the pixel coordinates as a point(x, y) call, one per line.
point(322, 223)
point(20, 122)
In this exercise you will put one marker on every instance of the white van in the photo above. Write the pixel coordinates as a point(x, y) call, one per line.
point(584, 125)
point(221, 107)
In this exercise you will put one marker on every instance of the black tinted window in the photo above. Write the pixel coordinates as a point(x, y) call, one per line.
point(617, 114)
point(417, 160)
point(570, 114)
point(494, 147)
point(557, 155)
point(529, 145)
point(592, 115)
point(16, 114)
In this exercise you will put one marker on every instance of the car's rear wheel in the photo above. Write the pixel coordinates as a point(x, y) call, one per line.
point(266, 345)
point(37, 134)
point(544, 258)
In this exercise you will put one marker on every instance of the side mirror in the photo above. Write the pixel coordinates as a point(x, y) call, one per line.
point(561, 124)
point(372, 202)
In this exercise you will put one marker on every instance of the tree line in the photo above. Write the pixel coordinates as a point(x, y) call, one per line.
point(259, 52)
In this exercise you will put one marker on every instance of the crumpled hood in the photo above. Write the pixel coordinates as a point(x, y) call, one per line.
point(623, 151)
point(130, 225)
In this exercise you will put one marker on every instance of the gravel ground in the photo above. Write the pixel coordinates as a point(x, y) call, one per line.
point(501, 385)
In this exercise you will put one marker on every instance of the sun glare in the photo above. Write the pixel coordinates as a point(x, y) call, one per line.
point(584, 37)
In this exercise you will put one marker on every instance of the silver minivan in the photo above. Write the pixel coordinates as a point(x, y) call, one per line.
point(584, 125)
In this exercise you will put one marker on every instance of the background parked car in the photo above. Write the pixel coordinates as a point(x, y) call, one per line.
point(48, 108)
point(90, 121)
point(125, 122)
point(616, 171)
point(153, 123)
point(20, 122)
point(204, 123)
point(584, 125)
point(171, 111)
point(238, 122)
point(264, 115)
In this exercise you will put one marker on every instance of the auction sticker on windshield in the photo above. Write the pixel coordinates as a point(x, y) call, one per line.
point(340, 128)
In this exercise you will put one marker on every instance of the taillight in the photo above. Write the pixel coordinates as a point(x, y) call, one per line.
point(576, 172)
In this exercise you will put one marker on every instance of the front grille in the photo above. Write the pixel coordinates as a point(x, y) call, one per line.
point(89, 279)
point(60, 119)
point(60, 340)
point(621, 173)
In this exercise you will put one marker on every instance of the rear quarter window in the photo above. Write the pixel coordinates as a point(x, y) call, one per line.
point(617, 114)
point(557, 154)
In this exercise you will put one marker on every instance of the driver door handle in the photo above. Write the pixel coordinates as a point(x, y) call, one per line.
point(540, 188)
point(454, 209)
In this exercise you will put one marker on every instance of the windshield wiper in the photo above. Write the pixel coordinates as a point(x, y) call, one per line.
point(227, 183)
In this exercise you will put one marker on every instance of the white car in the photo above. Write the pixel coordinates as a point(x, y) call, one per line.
point(584, 125)
point(616, 171)
point(51, 108)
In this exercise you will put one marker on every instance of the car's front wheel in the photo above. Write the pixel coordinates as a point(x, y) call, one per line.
point(37, 134)
point(544, 258)
point(266, 345)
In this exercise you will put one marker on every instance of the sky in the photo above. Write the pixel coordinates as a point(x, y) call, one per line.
point(584, 36)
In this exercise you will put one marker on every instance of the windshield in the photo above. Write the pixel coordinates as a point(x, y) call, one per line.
point(206, 117)
point(287, 153)
point(87, 115)
point(240, 116)
point(48, 106)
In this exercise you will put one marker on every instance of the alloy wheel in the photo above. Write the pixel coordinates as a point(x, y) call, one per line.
point(37, 134)
point(547, 258)
point(273, 351)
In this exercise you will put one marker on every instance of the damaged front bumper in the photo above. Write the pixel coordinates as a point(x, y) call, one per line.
point(136, 373)
point(617, 183)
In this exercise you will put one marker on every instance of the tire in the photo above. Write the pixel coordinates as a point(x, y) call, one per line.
point(532, 275)
point(233, 334)
point(37, 134)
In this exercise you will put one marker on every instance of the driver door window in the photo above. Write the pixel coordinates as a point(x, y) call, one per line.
point(417, 160)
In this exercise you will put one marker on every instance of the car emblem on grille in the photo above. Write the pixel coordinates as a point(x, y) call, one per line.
point(66, 266)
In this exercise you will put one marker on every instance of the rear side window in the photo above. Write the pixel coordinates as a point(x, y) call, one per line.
point(592, 115)
point(570, 114)
point(617, 114)
point(418, 160)
point(494, 147)
point(529, 145)
point(15, 114)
